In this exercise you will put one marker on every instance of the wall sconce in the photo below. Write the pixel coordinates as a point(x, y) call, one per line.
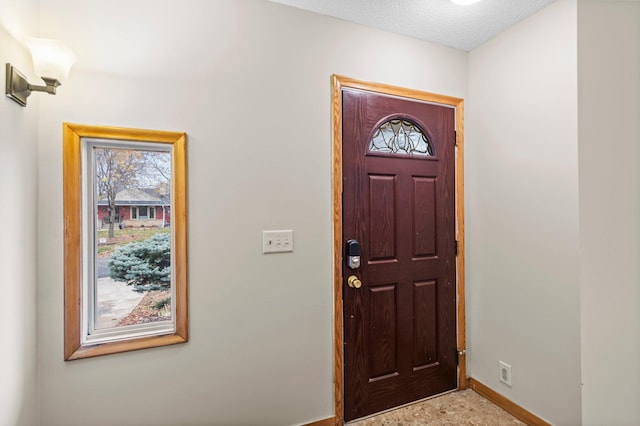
point(52, 61)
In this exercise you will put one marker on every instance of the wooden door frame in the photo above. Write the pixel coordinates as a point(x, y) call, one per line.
point(339, 83)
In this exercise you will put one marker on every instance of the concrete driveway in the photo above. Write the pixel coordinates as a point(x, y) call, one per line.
point(115, 300)
point(102, 266)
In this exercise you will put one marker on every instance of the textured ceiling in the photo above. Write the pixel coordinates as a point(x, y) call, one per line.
point(439, 21)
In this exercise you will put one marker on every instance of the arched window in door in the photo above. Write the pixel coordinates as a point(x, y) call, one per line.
point(400, 136)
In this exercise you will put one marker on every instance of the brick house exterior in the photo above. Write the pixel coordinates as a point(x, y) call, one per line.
point(137, 207)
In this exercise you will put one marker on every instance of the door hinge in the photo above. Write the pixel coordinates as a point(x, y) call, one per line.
point(457, 247)
point(455, 138)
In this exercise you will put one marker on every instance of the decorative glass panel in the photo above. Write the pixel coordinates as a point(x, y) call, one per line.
point(400, 137)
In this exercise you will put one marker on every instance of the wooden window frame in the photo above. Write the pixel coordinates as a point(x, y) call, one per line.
point(73, 239)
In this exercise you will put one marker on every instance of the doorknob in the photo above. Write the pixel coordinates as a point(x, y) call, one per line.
point(354, 282)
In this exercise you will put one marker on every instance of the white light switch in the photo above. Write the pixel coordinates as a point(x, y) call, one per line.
point(277, 241)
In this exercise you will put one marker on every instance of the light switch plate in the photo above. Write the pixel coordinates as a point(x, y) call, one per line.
point(277, 241)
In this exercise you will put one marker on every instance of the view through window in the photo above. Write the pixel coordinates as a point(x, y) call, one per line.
point(132, 206)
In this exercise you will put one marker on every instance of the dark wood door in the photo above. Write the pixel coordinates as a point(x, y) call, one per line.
point(399, 203)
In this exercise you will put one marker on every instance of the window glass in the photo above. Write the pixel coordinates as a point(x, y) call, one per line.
point(132, 264)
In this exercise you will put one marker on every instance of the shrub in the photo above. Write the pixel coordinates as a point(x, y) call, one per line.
point(146, 265)
point(162, 303)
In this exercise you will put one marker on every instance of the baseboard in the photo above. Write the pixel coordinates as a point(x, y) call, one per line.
point(331, 421)
point(507, 405)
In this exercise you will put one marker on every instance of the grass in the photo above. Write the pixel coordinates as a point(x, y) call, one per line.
point(137, 233)
point(125, 236)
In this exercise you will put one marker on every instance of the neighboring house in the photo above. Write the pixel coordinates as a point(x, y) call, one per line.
point(137, 207)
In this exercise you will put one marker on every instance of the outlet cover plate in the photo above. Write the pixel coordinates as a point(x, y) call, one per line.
point(505, 373)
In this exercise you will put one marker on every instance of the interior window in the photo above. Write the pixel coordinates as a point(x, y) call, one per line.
point(129, 273)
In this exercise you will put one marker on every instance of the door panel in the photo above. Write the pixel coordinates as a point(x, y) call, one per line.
point(382, 225)
point(400, 326)
point(383, 332)
point(424, 216)
point(425, 344)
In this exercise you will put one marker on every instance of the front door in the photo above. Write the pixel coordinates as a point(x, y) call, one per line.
point(399, 205)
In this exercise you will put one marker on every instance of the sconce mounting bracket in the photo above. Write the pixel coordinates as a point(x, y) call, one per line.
point(17, 87)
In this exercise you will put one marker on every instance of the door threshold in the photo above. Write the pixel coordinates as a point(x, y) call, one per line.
point(401, 406)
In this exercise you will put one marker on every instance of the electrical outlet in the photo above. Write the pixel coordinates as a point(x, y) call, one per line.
point(505, 373)
point(277, 241)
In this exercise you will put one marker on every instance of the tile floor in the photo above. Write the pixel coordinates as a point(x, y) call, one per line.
point(457, 408)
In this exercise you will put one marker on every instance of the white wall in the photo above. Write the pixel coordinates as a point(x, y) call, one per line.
point(609, 113)
point(255, 102)
point(522, 234)
point(18, 192)
point(19, 19)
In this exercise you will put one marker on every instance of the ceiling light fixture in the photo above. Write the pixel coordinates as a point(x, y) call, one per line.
point(464, 2)
point(52, 61)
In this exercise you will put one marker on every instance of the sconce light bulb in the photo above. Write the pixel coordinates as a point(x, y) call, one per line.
point(51, 58)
